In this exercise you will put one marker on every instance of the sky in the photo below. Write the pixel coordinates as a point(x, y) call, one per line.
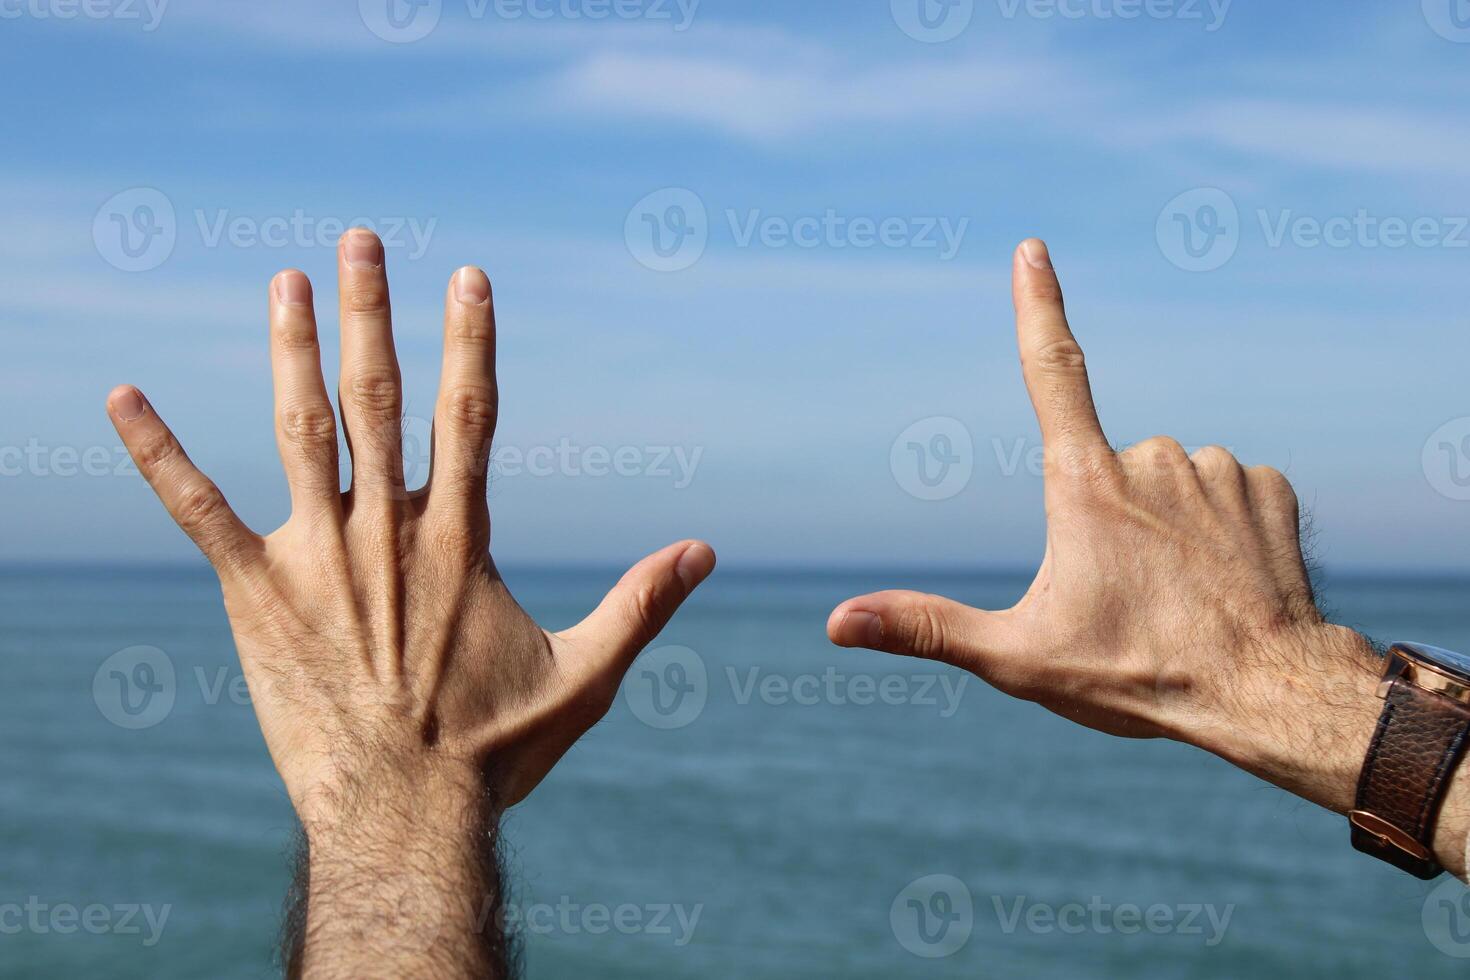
point(751, 260)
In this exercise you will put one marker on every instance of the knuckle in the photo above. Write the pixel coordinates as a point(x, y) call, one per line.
point(1044, 288)
point(1214, 460)
point(154, 452)
point(376, 393)
point(647, 606)
point(295, 335)
point(199, 507)
point(470, 408)
point(922, 629)
point(368, 295)
point(1163, 450)
point(471, 329)
point(1273, 484)
point(1062, 356)
point(310, 428)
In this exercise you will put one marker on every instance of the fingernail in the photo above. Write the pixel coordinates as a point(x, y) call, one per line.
point(865, 625)
point(293, 289)
point(363, 249)
point(129, 404)
point(471, 286)
point(1034, 249)
point(695, 565)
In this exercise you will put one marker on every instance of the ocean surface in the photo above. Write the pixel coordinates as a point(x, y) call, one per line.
point(784, 809)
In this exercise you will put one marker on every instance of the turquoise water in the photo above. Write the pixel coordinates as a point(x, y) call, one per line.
point(770, 836)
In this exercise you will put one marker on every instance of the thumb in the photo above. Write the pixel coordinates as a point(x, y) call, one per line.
point(913, 624)
point(643, 602)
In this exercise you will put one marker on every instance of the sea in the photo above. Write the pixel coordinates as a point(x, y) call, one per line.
point(758, 803)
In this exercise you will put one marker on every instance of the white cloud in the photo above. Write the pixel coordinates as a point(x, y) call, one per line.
point(777, 99)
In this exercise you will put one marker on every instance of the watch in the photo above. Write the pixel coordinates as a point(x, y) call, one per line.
point(1420, 738)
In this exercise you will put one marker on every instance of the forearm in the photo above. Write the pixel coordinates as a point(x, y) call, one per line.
point(403, 881)
point(1301, 713)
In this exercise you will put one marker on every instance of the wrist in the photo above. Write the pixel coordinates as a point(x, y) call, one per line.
point(390, 796)
point(1297, 710)
point(402, 875)
point(1301, 712)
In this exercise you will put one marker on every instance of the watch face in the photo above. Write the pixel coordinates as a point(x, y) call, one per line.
point(1448, 661)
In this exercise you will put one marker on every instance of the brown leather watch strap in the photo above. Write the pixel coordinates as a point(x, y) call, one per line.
point(1420, 738)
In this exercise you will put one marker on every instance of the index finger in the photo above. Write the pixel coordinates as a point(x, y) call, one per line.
point(1051, 358)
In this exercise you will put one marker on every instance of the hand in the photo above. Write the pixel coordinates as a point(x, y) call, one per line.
point(1172, 600)
point(383, 652)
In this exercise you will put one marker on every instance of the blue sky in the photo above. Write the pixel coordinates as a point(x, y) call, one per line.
point(783, 361)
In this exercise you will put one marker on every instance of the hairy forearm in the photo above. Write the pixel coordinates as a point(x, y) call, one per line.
point(402, 880)
point(1300, 712)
